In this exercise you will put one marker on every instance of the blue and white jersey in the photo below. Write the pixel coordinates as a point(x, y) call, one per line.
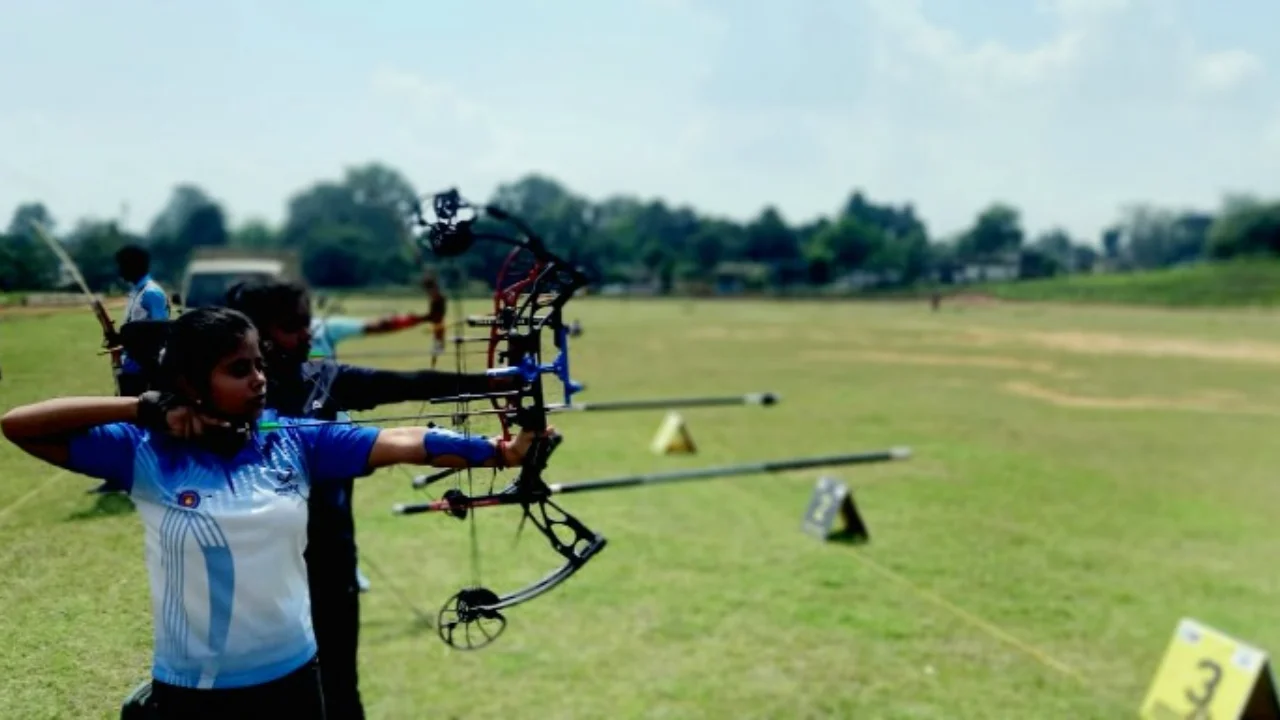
point(147, 301)
point(224, 541)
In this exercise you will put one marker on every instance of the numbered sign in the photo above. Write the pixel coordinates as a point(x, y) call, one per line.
point(831, 513)
point(1207, 675)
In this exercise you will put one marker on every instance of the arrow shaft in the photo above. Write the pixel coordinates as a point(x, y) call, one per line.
point(672, 403)
point(662, 404)
point(271, 425)
point(754, 468)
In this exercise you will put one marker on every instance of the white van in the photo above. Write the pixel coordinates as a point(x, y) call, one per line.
point(207, 280)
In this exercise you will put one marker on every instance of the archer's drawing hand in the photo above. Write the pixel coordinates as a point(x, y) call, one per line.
point(168, 414)
point(513, 452)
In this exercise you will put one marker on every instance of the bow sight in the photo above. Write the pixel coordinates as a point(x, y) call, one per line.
point(446, 235)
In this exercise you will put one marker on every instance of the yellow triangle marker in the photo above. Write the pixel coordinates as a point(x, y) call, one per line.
point(673, 437)
point(1208, 674)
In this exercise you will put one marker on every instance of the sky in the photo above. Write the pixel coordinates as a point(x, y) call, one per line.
point(1070, 110)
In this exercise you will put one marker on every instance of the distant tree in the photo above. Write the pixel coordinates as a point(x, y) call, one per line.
point(996, 232)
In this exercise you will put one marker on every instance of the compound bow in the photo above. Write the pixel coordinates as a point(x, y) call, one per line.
point(529, 301)
point(526, 304)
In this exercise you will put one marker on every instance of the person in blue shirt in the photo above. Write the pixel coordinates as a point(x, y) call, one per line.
point(300, 385)
point(328, 331)
point(223, 503)
point(147, 301)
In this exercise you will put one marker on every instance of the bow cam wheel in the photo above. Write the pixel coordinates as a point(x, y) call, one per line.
point(465, 623)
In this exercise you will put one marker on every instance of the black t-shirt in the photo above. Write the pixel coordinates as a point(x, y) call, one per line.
point(322, 389)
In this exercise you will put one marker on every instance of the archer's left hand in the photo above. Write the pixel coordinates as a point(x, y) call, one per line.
point(513, 452)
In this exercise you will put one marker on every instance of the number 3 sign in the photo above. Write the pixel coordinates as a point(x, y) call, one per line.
point(1207, 675)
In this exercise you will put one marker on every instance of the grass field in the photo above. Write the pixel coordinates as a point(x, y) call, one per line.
point(1238, 283)
point(1082, 479)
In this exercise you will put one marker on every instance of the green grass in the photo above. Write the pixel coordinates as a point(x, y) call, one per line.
point(1227, 284)
point(1083, 533)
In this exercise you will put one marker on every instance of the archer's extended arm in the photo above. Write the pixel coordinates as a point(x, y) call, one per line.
point(361, 388)
point(392, 323)
point(446, 448)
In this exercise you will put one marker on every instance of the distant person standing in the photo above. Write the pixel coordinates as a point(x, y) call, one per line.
point(329, 330)
point(436, 313)
point(147, 301)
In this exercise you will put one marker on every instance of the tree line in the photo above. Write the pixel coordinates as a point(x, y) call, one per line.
point(353, 232)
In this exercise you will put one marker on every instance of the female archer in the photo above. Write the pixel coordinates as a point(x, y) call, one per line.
point(223, 499)
point(301, 386)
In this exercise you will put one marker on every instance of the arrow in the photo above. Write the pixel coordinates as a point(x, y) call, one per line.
point(456, 505)
point(764, 399)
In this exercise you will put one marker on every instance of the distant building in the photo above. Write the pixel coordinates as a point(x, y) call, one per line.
point(990, 269)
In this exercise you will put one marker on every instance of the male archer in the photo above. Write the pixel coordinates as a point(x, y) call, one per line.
point(147, 301)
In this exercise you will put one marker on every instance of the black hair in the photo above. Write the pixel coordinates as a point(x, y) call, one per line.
point(264, 301)
point(134, 259)
point(197, 341)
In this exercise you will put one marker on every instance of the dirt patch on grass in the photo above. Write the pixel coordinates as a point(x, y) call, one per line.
point(1106, 344)
point(1210, 401)
point(1095, 343)
point(993, 362)
point(971, 299)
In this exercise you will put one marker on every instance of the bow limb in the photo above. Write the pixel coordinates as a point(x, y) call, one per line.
point(110, 338)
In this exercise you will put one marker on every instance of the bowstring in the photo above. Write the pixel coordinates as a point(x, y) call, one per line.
point(461, 423)
point(462, 418)
point(327, 398)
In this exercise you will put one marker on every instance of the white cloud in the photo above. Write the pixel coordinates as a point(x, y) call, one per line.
point(1224, 71)
point(1120, 102)
point(988, 66)
point(1085, 8)
point(442, 122)
point(442, 131)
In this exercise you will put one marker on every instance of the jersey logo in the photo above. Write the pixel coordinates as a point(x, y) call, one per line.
point(285, 484)
point(189, 499)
